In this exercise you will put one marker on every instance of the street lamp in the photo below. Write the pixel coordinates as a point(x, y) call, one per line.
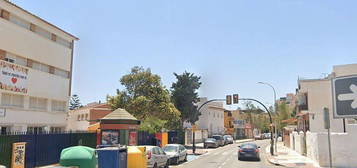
point(275, 111)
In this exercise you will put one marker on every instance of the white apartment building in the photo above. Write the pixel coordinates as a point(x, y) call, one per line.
point(313, 95)
point(212, 117)
point(35, 71)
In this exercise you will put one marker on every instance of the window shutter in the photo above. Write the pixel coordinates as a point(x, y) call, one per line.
point(53, 37)
point(5, 14)
point(29, 63)
point(2, 54)
point(32, 27)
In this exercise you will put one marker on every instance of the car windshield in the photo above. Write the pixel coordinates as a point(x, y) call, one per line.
point(171, 148)
point(216, 137)
point(249, 146)
point(210, 139)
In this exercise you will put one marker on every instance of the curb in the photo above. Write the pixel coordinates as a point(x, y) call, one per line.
point(270, 158)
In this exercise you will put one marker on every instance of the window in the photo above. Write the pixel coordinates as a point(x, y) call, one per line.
point(41, 67)
point(15, 59)
point(78, 117)
point(38, 103)
point(19, 21)
point(60, 72)
point(58, 105)
point(86, 117)
point(42, 32)
point(56, 129)
point(12, 100)
point(63, 42)
point(34, 130)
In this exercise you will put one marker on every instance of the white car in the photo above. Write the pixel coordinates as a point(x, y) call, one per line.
point(156, 157)
point(176, 153)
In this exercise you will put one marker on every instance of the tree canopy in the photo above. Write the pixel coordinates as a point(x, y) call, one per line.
point(74, 102)
point(185, 96)
point(146, 98)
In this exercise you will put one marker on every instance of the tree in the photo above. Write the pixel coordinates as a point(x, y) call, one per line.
point(74, 102)
point(284, 113)
point(185, 96)
point(146, 98)
point(257, 117)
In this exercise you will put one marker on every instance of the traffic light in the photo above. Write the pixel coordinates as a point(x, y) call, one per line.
point(235, 98)
point(229, 99)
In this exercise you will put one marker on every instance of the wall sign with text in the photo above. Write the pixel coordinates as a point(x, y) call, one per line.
point(13, 77)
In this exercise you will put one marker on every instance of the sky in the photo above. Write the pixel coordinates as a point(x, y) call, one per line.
point(231, 44)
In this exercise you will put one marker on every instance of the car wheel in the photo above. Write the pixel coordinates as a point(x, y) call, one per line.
point(205, 146)
point(177, 161)
point(185, 158)
point(167, 164)
point(239, 158)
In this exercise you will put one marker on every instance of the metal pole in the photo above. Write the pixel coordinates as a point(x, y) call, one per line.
point(329, 147)
point(276, 114)
point(327, 126)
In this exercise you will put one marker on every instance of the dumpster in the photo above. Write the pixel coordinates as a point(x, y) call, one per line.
point(137, 157)
point(80, 156)
point(112, 157)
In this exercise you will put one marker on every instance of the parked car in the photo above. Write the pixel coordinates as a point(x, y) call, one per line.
point(248, 151)
point(176, 153)
point(156, 157)
point(266, 135)
point(228, 139)
point(258, 137)
point(220, 139)
point(210, 142)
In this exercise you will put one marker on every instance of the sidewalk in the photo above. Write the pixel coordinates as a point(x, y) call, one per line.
point(200, 150)
point(289, 158)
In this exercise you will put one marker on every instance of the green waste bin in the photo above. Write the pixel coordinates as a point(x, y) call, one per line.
point(80, 156)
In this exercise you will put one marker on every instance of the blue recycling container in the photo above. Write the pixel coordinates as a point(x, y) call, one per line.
point(112, 157)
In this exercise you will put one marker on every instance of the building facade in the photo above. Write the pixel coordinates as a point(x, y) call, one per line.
point(212, 117)
point(80, 119)
point(35, 71)
point(313, 95)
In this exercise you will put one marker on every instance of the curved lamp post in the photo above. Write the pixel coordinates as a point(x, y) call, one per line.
point(275, 111)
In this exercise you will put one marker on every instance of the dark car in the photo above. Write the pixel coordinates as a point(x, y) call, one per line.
point(210, 142)
point(248, 151)
point(220, 139)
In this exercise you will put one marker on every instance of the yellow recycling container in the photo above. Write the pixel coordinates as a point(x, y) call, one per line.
point(136, 157)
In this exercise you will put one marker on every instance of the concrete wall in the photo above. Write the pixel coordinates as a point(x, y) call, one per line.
point(298, 142)
point(343, 146)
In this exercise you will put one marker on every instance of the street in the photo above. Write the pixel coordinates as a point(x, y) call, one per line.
point(226, 157)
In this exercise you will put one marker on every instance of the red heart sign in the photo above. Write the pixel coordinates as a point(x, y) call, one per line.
point(13, 80)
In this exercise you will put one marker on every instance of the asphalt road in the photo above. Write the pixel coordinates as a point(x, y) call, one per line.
point(227, 157)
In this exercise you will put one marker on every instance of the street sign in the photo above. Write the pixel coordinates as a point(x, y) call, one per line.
point(344, 95)
point(194, 128)
point(238, 123)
